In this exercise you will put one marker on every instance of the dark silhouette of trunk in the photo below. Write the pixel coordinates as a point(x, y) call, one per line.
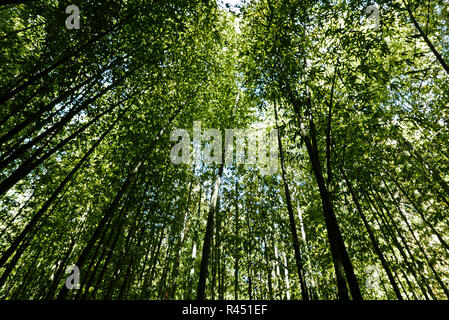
point(15, 32)
point(386, 235)
point(29, 227)
point(372, 237)
point(128, 184)
point(9, 222)
point(114, 279)
point(201, 290)
point(9, 111)
point(418, 243)
point(237, 246)
point(59, 272)
point(27, 280)
point(291, 217)
point(162, 293)
point(394, 238)
point(31, 163)
point(131, 251)
point(56, 128)
point(42, 109)
point(398, 231)
point(153, 260)
point(131, 265)
point(421, 214)
point(340, 257)
point(74, 52)
point(426, 39)
point(110, 243)
point(117, 232)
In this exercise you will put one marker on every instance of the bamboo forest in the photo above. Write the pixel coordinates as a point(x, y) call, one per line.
point(224, 150)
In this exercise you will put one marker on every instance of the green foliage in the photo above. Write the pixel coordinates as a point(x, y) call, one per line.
point(85, 171)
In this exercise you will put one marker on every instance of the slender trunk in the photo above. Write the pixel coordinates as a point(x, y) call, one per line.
point(201, 290)
point(423, 252)
point(184, 230)
point(396, 243)
point(427, 40)
point(421, 214)
point(28, 165)
point(237, 246)
point(398, 231)
point(42, 109)
point(26, 82)
point(13, 247)
point(299, 263)
point(372, 237)
point(387, 234)
point(128, 184)
point(153, 261)
point(268, 269)
point(340, 256)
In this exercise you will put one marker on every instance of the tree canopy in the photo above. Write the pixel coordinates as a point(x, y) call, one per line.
point(351, 95)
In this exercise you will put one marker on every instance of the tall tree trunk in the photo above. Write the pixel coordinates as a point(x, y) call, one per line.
point(237, 242)
point(427, 40)
point(340, 256)
point(421, 214)
point(312, 289)
point(418, 243)
point(372, 236)
point(128, 184)
point(184, 230)
point(13, 247)
point(26, 81)
point(398, 245)
point(299, 263)
point(201, 290)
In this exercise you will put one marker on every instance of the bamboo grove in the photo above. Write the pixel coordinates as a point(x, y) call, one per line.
point(357, 207)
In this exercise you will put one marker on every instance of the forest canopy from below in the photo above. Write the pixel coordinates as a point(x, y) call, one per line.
point(260, 150)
